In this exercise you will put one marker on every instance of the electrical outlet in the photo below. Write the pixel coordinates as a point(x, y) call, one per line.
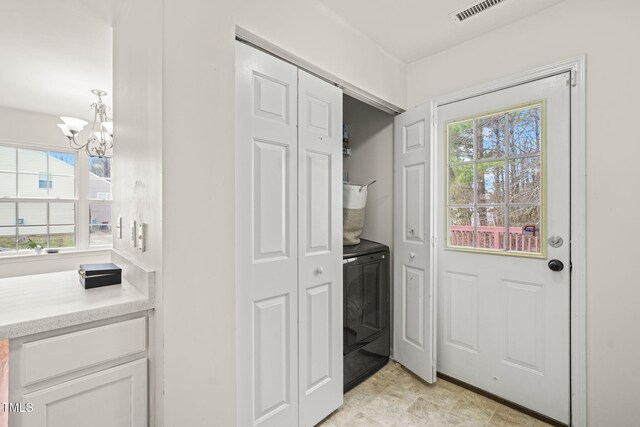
point(142, 237)
point(132, 234)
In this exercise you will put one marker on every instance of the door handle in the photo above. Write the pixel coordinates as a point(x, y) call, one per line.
point(412, 255)
point(319, 270)
point(556, 265)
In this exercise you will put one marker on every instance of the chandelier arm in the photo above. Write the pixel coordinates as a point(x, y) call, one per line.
point(99, 142)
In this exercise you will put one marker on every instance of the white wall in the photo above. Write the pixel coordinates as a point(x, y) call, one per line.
point(28, 127)
point(609, 34)
point(371, 140)
point(174, 123)
point(137, 167)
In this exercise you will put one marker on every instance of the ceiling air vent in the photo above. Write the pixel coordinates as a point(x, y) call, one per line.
point(474, 9)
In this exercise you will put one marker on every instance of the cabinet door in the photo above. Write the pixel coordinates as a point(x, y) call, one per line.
point(266, 239)
point(115, 397)
point(320, 247)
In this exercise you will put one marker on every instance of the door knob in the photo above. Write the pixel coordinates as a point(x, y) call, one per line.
point(556, 265)
point(319, 270)
point(412, 255)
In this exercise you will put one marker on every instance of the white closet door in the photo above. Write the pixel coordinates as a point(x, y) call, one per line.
point(413, 340)
point(320, 247)
point(266, 239)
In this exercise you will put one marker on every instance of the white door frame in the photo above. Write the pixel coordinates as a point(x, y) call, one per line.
point(577, 68)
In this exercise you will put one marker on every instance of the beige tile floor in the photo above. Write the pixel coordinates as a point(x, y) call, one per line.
point(394, 397)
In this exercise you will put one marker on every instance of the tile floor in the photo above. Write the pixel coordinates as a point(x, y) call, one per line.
point(393, 397)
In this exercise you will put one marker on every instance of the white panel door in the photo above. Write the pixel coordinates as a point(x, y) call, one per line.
point(115, 397)
point(266, 239)
point(412, 293)
point(503, 194)
point(320, 247)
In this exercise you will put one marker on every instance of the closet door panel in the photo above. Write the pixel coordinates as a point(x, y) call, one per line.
point(320, 248)
point(266, 245)
point(318, 208)
point(413, 344)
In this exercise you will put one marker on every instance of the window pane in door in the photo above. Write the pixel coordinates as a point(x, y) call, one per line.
point(461, 185)
point(524, 180)
point(490, 182)
point(525, 131)
point(495, 182)
point(461, 227)
point(525, 228)
point(491, 227)
point(460, 141)
point(490, 137)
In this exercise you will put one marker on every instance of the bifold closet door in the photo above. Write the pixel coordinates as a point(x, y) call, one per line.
point(320, 248)
point(413, 315)
point(266, 239)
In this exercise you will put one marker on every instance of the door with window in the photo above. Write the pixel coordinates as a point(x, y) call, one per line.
point(502, 242)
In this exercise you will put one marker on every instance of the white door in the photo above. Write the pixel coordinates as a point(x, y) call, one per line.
point(413, 291)
point(115, 397)
point(266, 239)
point(503, 171)
point(319, 248)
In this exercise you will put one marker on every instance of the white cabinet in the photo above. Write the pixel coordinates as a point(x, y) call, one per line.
point(88, 375)
point(289, 243)
point(113, 397)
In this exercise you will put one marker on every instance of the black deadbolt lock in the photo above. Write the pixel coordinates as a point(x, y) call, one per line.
point(556, 265)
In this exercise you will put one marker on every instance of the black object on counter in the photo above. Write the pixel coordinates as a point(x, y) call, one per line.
point(97, 275)
point(367, 311)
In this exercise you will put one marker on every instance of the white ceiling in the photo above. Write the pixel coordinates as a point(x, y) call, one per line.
point(413, 29)
point(53, 53)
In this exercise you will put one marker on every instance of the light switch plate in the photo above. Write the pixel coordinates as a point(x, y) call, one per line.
point(142, 237)
point(132, 234)
point(119, 227)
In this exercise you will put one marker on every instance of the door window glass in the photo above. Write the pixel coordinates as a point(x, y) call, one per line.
point(495, 183)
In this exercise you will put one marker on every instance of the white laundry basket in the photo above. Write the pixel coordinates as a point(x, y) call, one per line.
point(354, 198)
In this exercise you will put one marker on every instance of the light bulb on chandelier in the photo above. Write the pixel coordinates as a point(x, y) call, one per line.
point(100, 140)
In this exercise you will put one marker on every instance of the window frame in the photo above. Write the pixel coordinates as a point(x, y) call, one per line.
point(80, 200)
point(506, 159)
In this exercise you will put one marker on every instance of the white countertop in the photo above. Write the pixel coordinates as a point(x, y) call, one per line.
point(43, 302)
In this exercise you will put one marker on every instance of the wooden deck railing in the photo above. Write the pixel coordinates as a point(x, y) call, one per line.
point(494, 238)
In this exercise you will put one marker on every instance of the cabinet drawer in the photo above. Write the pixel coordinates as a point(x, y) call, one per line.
point(62, 354)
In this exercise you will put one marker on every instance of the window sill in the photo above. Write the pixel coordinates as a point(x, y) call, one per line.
point(33, 257)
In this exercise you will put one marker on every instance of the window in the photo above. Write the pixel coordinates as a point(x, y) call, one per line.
point(495, 186)
point(37, 198)
point(100, 202)
point(44, 195)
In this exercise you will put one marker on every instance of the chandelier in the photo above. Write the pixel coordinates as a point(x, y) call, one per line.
point(100, 141)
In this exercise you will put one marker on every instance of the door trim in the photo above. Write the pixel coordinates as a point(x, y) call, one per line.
point(577, 67)
point(353, 91)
